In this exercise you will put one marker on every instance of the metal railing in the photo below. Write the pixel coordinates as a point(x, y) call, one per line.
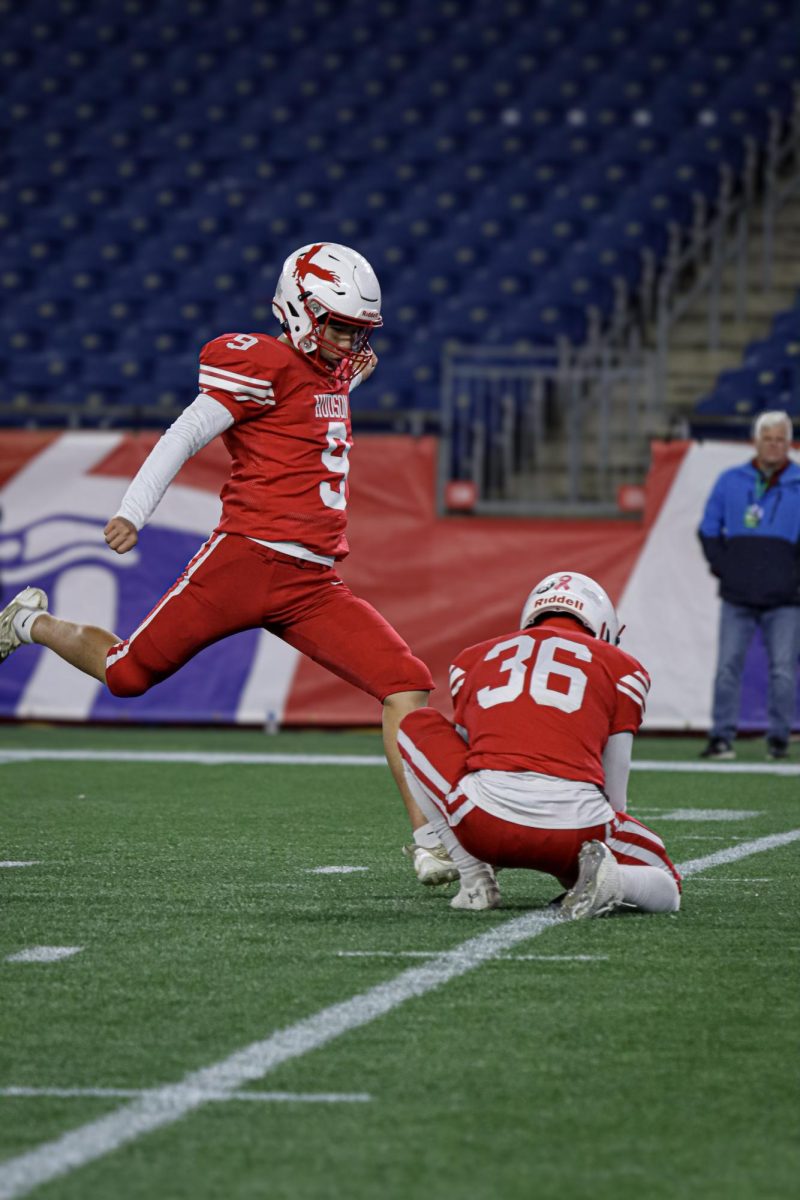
point(532, 432)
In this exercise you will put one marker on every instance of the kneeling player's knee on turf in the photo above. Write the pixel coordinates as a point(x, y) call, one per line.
point(650, 888)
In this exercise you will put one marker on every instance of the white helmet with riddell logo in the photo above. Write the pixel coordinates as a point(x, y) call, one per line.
point(578, 595)
point(322, 283)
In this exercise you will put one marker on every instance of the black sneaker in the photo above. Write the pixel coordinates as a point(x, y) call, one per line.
point(719, 749)
point(777, 748)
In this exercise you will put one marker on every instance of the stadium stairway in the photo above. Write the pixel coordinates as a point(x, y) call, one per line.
point(694, 371)
point(693, 366)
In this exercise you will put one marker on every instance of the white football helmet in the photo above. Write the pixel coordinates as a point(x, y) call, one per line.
point(327, 282)
point(578, 595)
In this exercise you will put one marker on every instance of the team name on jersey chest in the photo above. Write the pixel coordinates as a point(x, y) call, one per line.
point(330, 405)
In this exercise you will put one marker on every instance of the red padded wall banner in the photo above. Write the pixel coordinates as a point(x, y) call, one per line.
point(445, 582)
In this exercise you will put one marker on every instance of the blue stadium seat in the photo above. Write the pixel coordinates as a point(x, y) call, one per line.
point(40, 374)
point(742, 393)
point(113, 374)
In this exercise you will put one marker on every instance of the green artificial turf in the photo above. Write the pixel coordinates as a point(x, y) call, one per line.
point(660, 1063)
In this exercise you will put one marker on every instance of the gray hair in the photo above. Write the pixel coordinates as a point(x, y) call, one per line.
point(766, 420)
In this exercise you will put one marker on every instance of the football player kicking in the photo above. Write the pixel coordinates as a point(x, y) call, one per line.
point(534, 770)
point(281, 406)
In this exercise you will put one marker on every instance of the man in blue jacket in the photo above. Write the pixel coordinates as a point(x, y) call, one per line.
point(750, 534)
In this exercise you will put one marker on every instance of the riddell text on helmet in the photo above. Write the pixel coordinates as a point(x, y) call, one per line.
point(563, 602)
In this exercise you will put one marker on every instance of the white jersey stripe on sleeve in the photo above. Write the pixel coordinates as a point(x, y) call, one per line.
point(237, 378)
point(238, 389)
point(237, 385)
point(457, 677)
point(633, 695)
point(636, 684)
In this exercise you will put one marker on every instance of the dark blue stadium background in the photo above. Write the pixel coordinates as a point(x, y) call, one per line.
point(511, 169)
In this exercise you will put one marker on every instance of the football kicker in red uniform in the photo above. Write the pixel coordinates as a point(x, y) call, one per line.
point(281, 406)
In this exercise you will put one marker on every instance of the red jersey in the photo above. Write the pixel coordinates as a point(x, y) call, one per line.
point(289, 443)
point(546, 699)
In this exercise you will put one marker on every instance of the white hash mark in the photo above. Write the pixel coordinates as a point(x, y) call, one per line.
point(335, 870)
point(43, 954)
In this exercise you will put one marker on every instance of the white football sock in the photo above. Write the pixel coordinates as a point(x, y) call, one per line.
point(23, 623)
point(426, 836)
point(650, 889)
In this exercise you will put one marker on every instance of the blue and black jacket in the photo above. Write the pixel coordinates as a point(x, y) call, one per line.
point(751, 536)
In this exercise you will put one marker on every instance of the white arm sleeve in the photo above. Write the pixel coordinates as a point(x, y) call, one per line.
point(194, 428)
point(617, 765)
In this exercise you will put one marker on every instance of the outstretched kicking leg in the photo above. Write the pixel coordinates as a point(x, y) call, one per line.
point(25, 620)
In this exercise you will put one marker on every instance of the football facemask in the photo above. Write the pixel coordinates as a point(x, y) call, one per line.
point(578, 595)
point(328, 302)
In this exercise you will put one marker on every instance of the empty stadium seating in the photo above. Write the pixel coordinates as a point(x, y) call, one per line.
point(516, 172)
point(768, 378)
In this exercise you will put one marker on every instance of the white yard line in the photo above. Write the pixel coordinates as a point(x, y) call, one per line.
point(33, 862)
point(165, 1105)
point(43, 954)
point(721, 857)
point(201, 758)
point(704, 814)
point(136, 1093)
point(556, 958)
point(724, 768)
point(221, 758)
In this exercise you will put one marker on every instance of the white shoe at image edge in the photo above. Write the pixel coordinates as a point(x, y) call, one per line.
point(29, 597)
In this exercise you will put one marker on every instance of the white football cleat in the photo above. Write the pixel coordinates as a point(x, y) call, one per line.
point(29, 597)
point(598, 889)
point(481, 894)
point(432, 867)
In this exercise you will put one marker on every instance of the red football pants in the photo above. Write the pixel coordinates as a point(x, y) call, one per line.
point(436, 757)
point(233, 584)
